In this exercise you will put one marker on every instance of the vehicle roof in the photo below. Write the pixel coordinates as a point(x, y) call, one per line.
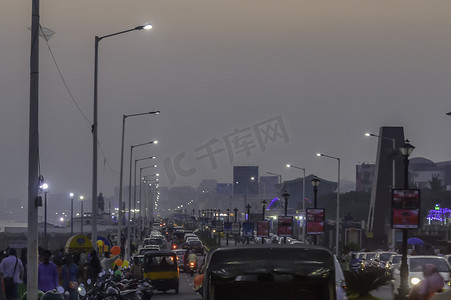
point(161, 253)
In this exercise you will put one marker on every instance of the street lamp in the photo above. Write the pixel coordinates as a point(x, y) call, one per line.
point(134, 181)
point(371, 211)
point(303, 184)
point(248, 207)
point(315, 182)
point(337, 225)
point(263, 215)
point(81, 212)
point(280, 176)
point(303, 192)
point(121, 173)
point(128, 241)
point(45, 186)
point(95, 128)
point(235, 210)
point(285, 197)
point(71, 195)
point(406, 150)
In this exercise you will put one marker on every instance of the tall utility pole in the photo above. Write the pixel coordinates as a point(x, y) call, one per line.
point(33, 152)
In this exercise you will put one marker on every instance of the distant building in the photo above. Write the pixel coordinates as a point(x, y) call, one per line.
point(269, 187)
point(295, 189)
point(423, 170)
point(245, 180)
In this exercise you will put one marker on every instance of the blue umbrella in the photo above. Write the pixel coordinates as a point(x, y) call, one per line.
point(415, 241)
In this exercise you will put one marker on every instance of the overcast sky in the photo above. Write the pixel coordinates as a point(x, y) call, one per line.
point(223, 73)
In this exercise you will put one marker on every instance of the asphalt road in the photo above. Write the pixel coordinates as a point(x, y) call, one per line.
point(186, 291)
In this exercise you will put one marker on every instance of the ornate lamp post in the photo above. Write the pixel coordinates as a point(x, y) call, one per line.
point(285, 197)
point(315, 182)
point(263, 216)
point(45, 186)
point(235, 210)
point(406, 150)
point(248, 207)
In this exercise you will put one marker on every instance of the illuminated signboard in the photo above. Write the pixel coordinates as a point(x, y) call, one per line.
point(405, 208)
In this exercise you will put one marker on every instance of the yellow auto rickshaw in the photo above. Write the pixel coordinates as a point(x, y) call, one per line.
point(162, 270)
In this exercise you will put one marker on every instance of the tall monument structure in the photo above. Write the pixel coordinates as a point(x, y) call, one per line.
point(387, 172)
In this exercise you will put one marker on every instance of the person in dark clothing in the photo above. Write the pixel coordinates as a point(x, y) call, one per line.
point(94, 267)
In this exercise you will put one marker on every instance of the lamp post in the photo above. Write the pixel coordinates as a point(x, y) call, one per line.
point(337, 225)
point(81, 197)
point(280, 176)
point(235, 210)
point(248, 207)
point(303, 193)
point(315, 182)
point(128, 241)
point(263, 215)
point(121, 172)
point(134, 184)
point(285, 197)
point(71, 213)
point(406, 150)
point(45, 186)
point(95, 129)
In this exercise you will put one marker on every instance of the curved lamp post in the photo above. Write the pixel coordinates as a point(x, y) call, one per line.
point(128, 241)
point(95, 128)
point(337, 225)
point(406, 150)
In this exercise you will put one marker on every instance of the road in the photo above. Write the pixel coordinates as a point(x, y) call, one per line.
point(186, 291)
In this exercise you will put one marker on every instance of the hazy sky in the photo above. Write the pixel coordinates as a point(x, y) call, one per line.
point(320, 72)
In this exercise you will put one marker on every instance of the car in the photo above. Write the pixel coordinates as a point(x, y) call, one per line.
point(448, 258)
point(160, 241)
point(187, 235)
point(270, 271)
point(391, 263)
point(416, 264)
point(192, 239)
point(340, 282)
point(196, 246)
point(148, 248)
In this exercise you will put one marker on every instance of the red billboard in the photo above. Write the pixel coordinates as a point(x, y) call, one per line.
point(263, 228)
point(405, 208)
point(315, 220)
point(285, 227)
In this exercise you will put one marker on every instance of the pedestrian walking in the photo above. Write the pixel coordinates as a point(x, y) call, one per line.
point(12, 271)
point(69, 274)
point(47, 273)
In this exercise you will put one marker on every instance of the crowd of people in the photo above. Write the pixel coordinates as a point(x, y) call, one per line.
point(55, 269)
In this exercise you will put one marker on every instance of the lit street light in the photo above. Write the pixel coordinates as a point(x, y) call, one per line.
point(45, 186)
point(303, 193)
point(82, 198)
point(95, 129)
point(128, 241)
point(71, 213)
point(337, 225)
point(121, 172)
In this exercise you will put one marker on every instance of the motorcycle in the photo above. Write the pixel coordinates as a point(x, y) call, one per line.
point(192, 268)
